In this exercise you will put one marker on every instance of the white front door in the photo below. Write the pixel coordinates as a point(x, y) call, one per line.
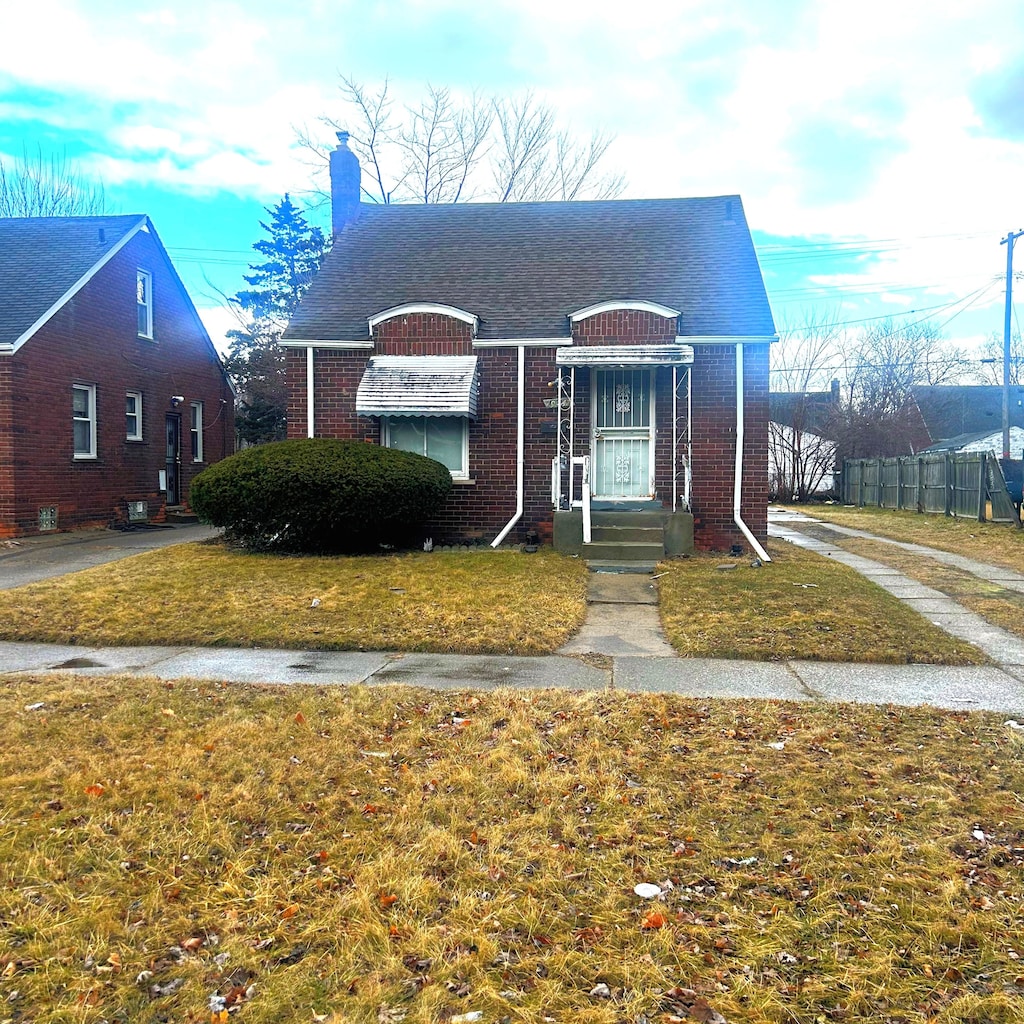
point(623, 434)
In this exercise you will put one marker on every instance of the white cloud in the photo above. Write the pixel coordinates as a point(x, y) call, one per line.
point(831, 119)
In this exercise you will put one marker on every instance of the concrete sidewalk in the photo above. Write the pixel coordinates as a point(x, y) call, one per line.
point(621, 646)
point(995, 688)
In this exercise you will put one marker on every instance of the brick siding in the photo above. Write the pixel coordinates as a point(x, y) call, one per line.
point(93, 340)
point(478, 510)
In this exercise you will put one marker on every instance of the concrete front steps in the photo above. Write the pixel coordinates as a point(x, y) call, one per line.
point(625, 541)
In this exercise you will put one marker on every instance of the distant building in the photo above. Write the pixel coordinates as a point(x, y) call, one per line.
point(801, 444)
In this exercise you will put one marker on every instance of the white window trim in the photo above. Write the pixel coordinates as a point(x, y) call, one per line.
point(409, 308)
point(463, 474)
point(197, 430)
point(147, 277)
point(616, 304)
point(90, 390)
point(137, 395)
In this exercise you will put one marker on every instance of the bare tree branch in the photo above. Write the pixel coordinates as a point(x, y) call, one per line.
point(448, 149)
point(525, 135)
point(48, 186)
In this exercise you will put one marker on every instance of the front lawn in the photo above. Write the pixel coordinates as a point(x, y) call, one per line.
point(198, 852)
point(204, 594)
point(800, 607)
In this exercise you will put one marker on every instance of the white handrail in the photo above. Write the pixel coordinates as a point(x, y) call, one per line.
point(583, 461)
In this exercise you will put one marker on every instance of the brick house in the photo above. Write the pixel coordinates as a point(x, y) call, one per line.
point(565, 360)
point(112, 396)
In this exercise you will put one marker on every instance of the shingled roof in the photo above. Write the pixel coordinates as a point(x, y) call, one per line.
point(950, 410)
point(43, 260)
point(522, 268)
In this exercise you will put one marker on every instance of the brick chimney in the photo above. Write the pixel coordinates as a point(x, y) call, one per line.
point(345, 180)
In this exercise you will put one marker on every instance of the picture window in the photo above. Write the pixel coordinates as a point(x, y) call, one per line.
point(442, 438)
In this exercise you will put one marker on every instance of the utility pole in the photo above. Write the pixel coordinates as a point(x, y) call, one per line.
point(1008, 241)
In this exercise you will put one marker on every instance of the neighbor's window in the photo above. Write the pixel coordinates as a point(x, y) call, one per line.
point(133, 415)
point(443, 438)
point(197, 431)
point(83, 420)
point(144, 300)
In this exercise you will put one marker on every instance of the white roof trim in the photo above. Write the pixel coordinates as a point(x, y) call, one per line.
point(313, 343)
point(607, 307)
point(424, 307)
point(419, 386)
point(625, 355)
point(726, 339)
point(523, 343)
point(76, 287)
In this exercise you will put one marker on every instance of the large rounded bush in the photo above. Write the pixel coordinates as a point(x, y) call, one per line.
point(320, 495)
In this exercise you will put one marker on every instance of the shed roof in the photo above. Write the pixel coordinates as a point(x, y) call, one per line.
point(419, 386)
point(523, 268)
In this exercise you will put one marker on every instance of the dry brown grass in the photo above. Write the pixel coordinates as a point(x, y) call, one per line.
point(801, 607)
point(995, 543)
point(204, 594)
point(385, 854)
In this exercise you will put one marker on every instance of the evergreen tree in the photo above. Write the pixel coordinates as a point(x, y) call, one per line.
point(291, 257)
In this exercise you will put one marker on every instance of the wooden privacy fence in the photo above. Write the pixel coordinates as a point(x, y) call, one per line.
point(952, 483)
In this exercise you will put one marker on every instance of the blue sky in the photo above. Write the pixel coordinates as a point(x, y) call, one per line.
point(878, 147)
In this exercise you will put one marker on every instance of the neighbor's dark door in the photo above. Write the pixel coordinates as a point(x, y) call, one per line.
point(173, 434)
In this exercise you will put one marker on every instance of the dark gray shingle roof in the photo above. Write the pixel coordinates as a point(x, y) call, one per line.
point(41, 258)
point(523, 267)
point(950, 410)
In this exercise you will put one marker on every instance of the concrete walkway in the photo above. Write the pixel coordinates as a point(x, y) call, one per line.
point(622, 618)
point(1001, 646)
point(972, 688)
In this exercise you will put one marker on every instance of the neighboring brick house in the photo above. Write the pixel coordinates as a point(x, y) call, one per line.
point(112, 396)
point(528, 344)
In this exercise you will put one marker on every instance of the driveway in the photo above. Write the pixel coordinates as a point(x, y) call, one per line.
point(29, 559)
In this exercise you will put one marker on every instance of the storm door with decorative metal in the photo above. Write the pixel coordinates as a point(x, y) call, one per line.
point(623, 423)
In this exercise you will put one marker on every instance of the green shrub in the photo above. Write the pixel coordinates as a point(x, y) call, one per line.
point(320, 495)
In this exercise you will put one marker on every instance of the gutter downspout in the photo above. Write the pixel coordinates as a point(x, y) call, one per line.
point(309, 391)
point(520, 445)
point(737, 490)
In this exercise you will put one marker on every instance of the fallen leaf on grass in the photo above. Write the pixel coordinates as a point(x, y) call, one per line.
point(95, 790)
point(387, 901)
point(655, 919)
point(686, 1003)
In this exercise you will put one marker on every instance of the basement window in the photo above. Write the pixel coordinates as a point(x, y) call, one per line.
point(48, 518)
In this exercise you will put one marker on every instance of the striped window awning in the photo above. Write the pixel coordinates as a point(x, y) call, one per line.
point(625, 355)
point(419, 386)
